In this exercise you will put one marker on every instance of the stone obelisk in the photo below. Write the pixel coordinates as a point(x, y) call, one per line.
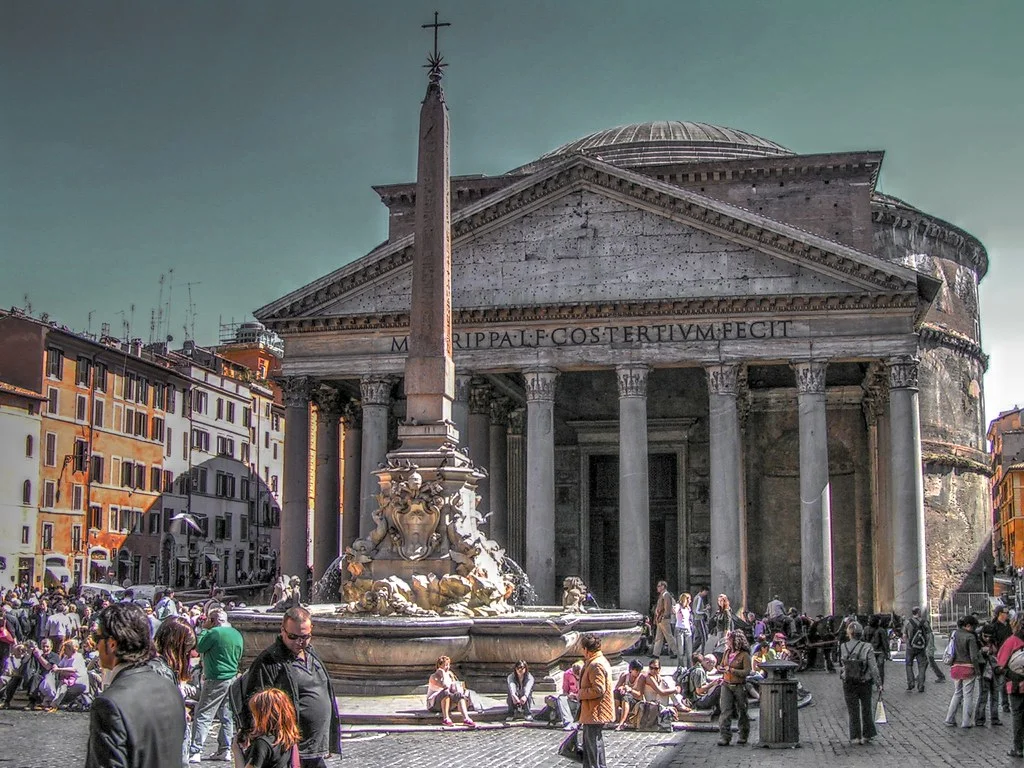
point(428, 487)
point(429, 369)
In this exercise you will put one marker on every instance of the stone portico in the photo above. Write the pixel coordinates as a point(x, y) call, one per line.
point(665, 372)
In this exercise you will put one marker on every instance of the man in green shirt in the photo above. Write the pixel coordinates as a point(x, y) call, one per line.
point(220, 645)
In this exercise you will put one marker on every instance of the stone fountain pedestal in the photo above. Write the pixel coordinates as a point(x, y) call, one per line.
point(390, 655)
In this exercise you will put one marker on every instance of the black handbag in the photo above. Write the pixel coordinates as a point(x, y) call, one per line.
point(571, 746)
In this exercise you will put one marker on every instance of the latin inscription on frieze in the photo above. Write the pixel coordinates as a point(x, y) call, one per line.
point(566, 336)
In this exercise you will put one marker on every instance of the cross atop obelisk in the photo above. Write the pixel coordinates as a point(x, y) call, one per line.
point(429, 370)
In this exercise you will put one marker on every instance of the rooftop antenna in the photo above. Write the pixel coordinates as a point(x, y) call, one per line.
point(152, 324)
point(89, 321)
point(190, 315)
point(156, 324)
point(28, 305)
point(167, 313)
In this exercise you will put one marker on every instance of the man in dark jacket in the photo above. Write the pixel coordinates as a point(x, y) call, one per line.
point(139, 719)
point(293, 666)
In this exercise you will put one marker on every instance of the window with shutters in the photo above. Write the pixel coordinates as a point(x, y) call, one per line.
point(96, 469)
point(80, 455)
point(156, 429)
point(231, 412)
point(54, 363)
point(140, 476)
point(141, 422)
point(49, 494)
point(26, 493)
point(83, 371)
point(76, 538)
point(77, 497)
point(52, 401)
point(99, 377)
point(96, 517)
point(29, 445)
point(155, 478)
point(97, 413)
point(50, 450)
point(81, 408)
point(47, 536)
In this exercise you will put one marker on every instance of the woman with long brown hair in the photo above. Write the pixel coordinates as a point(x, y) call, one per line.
point(275, 730)
point(175, 641)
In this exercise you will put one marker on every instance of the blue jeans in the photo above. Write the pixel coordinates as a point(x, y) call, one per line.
point(213, 702)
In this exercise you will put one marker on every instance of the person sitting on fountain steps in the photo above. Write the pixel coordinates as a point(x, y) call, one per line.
point(443, 688)
point(520, 692)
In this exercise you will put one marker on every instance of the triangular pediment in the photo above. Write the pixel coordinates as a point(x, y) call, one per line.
point(584, 232)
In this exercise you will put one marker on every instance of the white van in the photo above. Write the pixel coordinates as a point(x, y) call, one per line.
point(112, 592)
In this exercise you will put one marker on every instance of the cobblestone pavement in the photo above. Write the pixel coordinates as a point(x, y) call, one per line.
point(914, 738)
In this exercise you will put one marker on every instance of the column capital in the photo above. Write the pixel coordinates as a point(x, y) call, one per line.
point(903, 371)
point(462, 385)
point(876, 392)
point(540, 384)
point(632, 379)
point(501, 407)
point(480, 393)
point(810, 376)
point(723, 379)
point(517, 421)
point(376, 390)
point(296, 391)
point(352, 415)
point(328, 402)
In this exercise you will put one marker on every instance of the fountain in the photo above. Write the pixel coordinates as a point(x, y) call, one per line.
point(426, 581)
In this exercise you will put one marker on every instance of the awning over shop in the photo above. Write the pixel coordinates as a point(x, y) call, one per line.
point(212, 559)
point(99, 558)
point(58, 574)
point(183, 560)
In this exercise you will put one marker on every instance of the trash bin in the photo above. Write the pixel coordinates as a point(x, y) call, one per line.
point(779, 719)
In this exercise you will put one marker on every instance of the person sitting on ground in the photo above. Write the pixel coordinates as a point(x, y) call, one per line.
point(626, 693)
point(72, 676)
point(567, 705)
point(662, 690)
point(520, 692)
point(443, 688)
point(704, 684)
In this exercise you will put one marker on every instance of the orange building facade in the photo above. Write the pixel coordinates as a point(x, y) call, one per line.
point(1006, 437)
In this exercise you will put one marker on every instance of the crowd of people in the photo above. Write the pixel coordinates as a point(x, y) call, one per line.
point(156, 677)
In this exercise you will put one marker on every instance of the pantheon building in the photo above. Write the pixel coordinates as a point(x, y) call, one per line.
point(684, 352)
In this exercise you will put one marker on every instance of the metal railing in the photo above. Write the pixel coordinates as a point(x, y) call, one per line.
point(948, 611)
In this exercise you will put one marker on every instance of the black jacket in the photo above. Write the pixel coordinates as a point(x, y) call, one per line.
point(271, 669)
point(137, 722)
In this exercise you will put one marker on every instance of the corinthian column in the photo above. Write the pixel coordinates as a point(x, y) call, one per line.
point(726, 481)
point(352, 420)
point(479, 441)
point(460, 407)
point(498, 468)
point(634, 493)
point(540, 481)
point(909, 564)
point(376, 402)
point(327, 499)
point(516, 544)
point(295, 509)
point(815, 497)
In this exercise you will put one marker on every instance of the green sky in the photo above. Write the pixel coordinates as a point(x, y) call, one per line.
point(237, 141)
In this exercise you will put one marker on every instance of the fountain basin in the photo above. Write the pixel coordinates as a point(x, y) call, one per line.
point(389, 655)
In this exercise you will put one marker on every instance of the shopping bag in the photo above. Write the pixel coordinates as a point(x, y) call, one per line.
point(571, 746)
point(880, 713)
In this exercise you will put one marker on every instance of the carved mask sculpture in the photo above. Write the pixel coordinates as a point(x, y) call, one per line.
point(416, 521)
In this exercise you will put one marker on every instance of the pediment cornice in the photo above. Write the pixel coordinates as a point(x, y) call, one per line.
point(580, 172)
point(591, 312)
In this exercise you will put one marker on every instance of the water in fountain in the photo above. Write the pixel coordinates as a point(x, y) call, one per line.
point(524, 593)
point(327, 589)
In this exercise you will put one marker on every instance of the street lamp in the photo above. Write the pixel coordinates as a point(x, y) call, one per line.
point(190, 525)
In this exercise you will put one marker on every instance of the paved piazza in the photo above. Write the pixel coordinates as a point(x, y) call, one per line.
point(915, 737)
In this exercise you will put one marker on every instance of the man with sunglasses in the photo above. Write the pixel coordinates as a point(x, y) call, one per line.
point(138, 721)
point(292, 665)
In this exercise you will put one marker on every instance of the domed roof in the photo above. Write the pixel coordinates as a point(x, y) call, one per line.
point(664, 142)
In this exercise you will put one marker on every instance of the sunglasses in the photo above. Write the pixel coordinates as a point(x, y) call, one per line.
point(97, 637)
point(300, 638)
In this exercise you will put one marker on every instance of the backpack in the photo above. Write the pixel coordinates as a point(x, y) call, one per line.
point(855, 666)
point(1015, 664)
point(950, 653)
point(918, 638)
